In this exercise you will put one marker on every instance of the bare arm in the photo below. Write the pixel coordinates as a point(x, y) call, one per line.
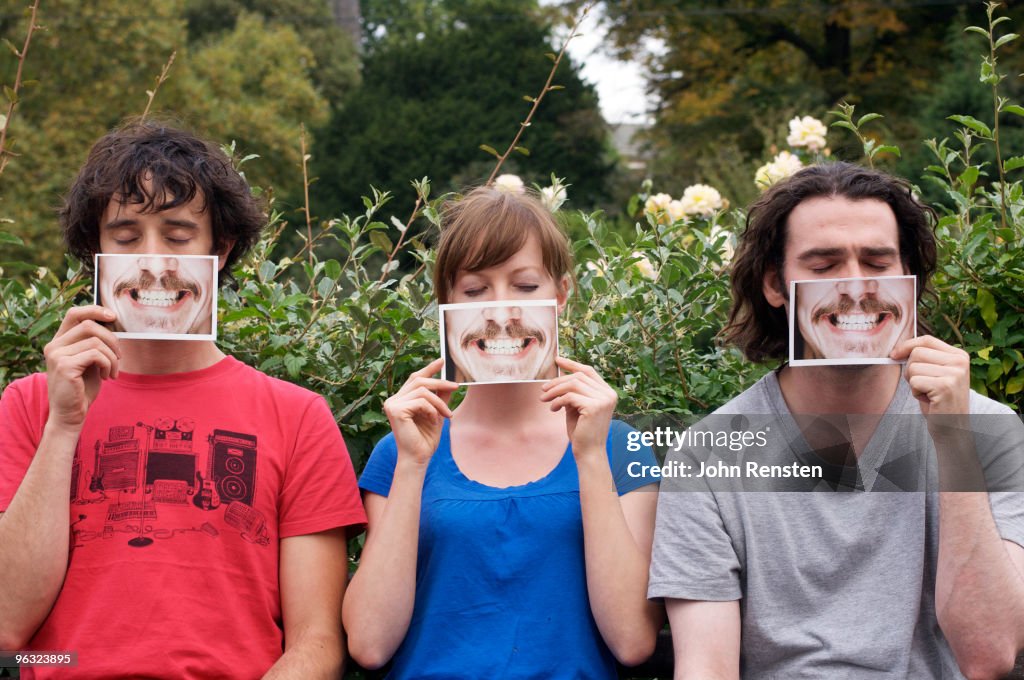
point(979, 590)
point(313, 572)
point(34, 531)
point(705, 639)
point(617, 537)
point(617, 533)
point(980, 587)
point(380, 600)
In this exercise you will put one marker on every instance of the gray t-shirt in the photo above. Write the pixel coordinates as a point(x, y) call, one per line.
point(831, 584)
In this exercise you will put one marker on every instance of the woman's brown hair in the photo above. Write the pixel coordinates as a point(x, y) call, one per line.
point(486, 227)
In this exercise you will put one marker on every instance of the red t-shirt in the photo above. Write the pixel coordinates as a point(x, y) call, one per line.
point(181, 487)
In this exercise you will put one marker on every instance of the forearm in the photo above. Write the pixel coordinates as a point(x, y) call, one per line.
point(34, 539)
point(979, 593)
point(616, 567)
point(314, 656)
point(379, 602)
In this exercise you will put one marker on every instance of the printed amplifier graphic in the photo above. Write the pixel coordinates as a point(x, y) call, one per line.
point(232, 466)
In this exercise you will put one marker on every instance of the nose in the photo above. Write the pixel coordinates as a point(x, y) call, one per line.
point(502, 315)
point(158, 266)
point(857, 288)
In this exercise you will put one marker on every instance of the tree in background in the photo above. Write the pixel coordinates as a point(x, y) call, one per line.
point(729, 75)
point(253, 79)
point(442, 77)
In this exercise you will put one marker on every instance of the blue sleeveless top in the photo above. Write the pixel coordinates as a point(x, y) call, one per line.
point(501, 588)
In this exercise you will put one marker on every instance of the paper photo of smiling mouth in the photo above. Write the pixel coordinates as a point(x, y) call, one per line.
point(850, 321)
point(499, 342)
point(159, 297)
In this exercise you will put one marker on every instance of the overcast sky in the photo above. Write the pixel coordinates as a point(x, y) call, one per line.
point(620, 85)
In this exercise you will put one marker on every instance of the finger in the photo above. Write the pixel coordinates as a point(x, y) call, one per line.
point(920, 368)
point(420, 409)
point(575, 366)
point(433, 384)
point(562, 379)
point(76, 315)
point(84, 347)
point(927, 385)
point(433, 368)
point(75, 365)
point(903, 349)
point(87, 329)
point(438, 402)
point(571, 400)
point(569, 387)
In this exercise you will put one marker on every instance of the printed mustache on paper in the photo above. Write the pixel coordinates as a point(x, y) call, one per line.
point(499, 342)
point(159, 297)
point(850, 321)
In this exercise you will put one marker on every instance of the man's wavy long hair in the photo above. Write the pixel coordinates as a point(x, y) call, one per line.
point(158, 166)
point(761, 331)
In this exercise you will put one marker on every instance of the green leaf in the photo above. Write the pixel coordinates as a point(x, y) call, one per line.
point(987, 307)
point(973, 124)
point(523, 150)
point(1005, 39)
point(267, 270)
point(1014, 384)
point(294, 364)
point(332, 269)
point(42, 323)
point(1014, 109)
point(976, 29)
point(381, 240)
point(1013, 163)
point(11, 95)
point(491, 150)
point(969, 176)
point(889, 148)
point(867, 118)
point(845, 124)
point(411, 325)
point(10, 238)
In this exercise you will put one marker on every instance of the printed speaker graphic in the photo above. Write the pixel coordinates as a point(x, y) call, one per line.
point(233, 466)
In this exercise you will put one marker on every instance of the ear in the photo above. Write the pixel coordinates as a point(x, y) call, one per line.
point(223, 252)
point(562, 296)
point(772, 288)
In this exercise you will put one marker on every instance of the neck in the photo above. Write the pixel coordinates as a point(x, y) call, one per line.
point(507, 406)
point(161, 357)
point(839, 389)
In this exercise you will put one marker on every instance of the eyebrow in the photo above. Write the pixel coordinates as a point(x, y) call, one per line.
point(128, 222)
point(869, 251)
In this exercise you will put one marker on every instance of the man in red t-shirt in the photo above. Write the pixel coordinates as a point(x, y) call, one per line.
point(168, 511)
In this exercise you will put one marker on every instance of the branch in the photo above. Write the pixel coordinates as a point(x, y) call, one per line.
point(547, 88)
point(305, 189)
point(159, 81)
point(13, 98)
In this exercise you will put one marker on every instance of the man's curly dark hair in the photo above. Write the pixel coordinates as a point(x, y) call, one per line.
point(159, 167)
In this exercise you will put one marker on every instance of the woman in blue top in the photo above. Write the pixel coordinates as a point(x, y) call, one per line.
point(509, 538)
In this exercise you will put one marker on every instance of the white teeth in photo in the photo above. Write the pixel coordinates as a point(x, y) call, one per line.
point(503, 346)
point(157, 298)
point(856, 322)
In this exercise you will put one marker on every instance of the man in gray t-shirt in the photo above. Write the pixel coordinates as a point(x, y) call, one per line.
point(874, 574)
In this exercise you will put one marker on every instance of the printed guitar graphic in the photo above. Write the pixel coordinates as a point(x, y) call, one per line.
point(207, 498)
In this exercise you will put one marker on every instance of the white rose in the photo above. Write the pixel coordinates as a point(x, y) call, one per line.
point(701, 199)
point(782, 166)
point(807, 131)
point(644, 266)
point(657, 203)
point(727, 250)
point(553, 197)
point(676, 211)
point(510, 184)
